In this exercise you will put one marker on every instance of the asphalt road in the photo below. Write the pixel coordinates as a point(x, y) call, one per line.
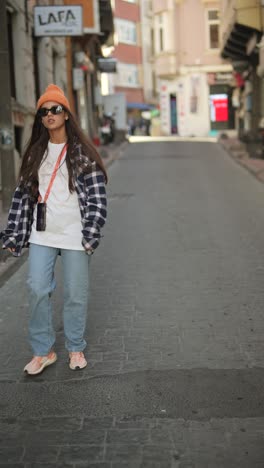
point(175, 327)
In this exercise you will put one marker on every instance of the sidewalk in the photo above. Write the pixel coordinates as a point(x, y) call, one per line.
point(238, 152)
point(9, 264)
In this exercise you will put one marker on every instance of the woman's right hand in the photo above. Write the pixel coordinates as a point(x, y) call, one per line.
point(11, 250)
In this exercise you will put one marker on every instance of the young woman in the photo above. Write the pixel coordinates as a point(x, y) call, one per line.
point(58, 208)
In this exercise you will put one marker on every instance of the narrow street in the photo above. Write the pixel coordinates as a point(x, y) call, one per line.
point(175, 327)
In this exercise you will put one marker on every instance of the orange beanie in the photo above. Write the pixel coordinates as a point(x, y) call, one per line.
point(53, 93)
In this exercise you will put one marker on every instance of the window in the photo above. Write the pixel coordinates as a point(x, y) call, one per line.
point(126, 31)
point(127, 75)
point(160, 32)
point(213, 29)
point(152, 47)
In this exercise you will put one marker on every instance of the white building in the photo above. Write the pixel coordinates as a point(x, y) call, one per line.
point(194, 82)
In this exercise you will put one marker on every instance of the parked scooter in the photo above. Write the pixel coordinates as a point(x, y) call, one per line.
point(107, 129)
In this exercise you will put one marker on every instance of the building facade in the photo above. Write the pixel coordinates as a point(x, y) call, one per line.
point(193, 80)
point(128, 52)
point(242, 23)
point(147, 34)
point(30, 61)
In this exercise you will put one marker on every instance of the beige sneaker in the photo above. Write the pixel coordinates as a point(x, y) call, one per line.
point(38, 363)
point(77, 360)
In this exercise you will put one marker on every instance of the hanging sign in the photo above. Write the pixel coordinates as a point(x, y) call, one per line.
point(58, 20)
point(107, 65)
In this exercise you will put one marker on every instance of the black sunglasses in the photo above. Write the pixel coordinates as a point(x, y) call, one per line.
point(55, 110)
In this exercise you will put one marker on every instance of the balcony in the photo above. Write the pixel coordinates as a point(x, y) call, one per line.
point(166, 65)
point(241, 22)
point(162, 5)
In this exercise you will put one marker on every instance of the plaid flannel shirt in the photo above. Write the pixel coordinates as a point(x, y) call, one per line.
point(90, 188)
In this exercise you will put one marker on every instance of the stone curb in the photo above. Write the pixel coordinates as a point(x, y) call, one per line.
point(253, 166)
point(9, 264)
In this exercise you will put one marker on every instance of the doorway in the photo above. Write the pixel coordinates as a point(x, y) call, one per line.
point(173, 114)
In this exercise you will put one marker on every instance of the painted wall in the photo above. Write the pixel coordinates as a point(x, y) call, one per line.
point(162, 5)
point(193, 42)
point(128, 53)
point(23, 59)
point(132, 94)
point(192, 105)
point(127, 10)
point(147, 50)
point(52, 62)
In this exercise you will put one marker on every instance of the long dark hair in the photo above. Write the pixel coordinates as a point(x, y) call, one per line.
point(80, 152)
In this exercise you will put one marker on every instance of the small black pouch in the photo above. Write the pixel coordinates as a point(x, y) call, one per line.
point(41, 216)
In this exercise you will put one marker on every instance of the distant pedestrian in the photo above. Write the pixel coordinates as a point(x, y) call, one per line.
point(58, 208)
point(131, 126)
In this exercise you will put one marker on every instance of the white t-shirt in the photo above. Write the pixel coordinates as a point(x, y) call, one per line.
point(63, 218)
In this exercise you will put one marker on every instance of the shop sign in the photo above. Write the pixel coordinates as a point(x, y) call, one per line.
point(77, 78)
point(219, 107)
point(223, 77)
point(219, 78)
point(182, 111)
point(194, 97)
point(164, 108)
point(58, 20)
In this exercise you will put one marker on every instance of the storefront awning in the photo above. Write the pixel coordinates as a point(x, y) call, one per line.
point(235, 47)
point(107, 65)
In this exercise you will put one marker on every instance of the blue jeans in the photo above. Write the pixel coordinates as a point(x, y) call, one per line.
point(42, 283)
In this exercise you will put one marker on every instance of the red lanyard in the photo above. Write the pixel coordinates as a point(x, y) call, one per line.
point(62, 154)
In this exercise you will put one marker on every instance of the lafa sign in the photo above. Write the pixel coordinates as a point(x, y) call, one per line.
point(58, 20)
